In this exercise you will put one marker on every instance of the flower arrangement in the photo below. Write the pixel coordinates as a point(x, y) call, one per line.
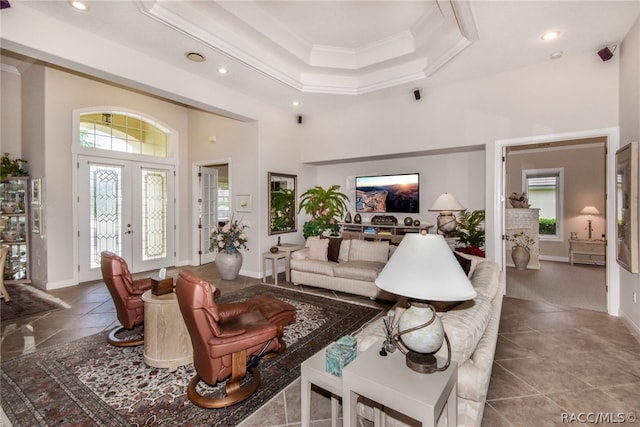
point(521, 239)
point(229, 237)
point(519, 200)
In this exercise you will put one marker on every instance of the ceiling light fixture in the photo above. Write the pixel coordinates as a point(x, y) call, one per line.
point(550, 35)
point(195, 56)
point(556, 55)
point(79, 5)
point(222, 70)
point(295, 103)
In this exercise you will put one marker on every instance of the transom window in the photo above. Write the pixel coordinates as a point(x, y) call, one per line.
point(544, 190)
point(123, 132)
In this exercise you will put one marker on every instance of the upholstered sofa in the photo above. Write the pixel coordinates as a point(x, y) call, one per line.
point(472, 328)
point(345, 265)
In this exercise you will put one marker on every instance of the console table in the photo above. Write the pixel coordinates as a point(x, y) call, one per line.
point(371, 231)
point(587, 252)
point(389, 382)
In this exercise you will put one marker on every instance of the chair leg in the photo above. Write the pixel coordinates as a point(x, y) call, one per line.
point(281, 347)
point(119, 342)
point(234, 392)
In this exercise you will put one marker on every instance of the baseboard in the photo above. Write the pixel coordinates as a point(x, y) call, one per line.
point(60, 284)
point(554, 258)
point(635, 329)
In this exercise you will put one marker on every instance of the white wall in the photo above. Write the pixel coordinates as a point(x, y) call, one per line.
point(630, 131)
point(10, 136)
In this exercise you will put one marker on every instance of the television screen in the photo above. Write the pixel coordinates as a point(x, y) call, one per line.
point(388, 193)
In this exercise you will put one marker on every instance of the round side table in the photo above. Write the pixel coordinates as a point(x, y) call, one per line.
point(167, 343)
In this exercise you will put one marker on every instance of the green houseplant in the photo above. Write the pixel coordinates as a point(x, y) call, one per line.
point(323, 205)
point(470, 232)
point(9, 167)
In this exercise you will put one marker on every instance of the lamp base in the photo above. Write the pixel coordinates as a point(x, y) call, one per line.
point(421, 362)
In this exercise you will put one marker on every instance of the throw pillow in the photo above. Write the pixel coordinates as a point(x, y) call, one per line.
point(474, 261)
point(333, 252)
point(318, 249)
point(362, 250)
point(311, 239)
point(464, 263)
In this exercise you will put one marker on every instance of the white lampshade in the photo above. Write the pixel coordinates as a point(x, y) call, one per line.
point(424, 268)
point(590, 210)
point(446, 202)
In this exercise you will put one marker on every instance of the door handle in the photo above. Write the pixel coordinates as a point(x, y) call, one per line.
point(128, 232)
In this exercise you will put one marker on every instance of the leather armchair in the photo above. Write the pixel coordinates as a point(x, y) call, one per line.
point(227, 340)
point(127, 297)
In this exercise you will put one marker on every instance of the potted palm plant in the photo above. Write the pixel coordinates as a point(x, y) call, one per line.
point(470, 232)
point(324, 206)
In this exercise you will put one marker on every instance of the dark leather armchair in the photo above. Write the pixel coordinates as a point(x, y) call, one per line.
point(127, 297)
point(227, 340)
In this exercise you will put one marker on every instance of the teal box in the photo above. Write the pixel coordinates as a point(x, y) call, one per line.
point(340, 353)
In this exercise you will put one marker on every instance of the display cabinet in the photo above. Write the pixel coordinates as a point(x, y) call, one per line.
point(14, 228)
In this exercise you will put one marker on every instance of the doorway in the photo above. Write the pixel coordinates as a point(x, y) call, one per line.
point(126, 207)
point(561, 178)
point(213, 205)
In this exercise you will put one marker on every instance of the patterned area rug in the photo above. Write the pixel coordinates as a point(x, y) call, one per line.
point(27, 300)
point(88, 382)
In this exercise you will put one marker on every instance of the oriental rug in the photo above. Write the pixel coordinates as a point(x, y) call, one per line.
point(89, 382)
point(27, 300)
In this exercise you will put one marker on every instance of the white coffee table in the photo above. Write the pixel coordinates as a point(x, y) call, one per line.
point(388, 381)
point(313, 371)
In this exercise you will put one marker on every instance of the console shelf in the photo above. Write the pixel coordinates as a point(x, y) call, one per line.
point(371, 231)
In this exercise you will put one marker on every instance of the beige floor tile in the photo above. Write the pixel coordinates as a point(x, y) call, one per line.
point(543, 375)
point(531, 411)
point(504, 385)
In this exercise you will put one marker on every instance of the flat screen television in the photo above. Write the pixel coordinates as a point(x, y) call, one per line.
point(388, 193)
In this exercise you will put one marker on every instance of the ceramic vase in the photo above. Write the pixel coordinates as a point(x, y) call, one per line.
point(229, 264)
point(520, 256)
point(347, 218)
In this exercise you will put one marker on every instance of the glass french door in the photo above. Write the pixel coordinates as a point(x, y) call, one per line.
point(208, 211)
point(125, 207)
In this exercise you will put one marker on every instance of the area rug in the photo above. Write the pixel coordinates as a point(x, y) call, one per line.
point(88, 382)
point(27, 300)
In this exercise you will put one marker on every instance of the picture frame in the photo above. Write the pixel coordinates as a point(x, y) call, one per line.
point(627, 207)
point(36, 191)
point(36, 222)
point(243, 203)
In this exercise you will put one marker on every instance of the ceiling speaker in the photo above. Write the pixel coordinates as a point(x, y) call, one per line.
point(605, 54)
point(416, 94)
point(299, 119)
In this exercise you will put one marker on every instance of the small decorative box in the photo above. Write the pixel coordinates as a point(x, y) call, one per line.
point(161, 286)
point(340, 354)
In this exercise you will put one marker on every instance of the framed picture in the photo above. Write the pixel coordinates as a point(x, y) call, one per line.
point(243, 203)
point(627, 207)
point(36, 191)
point(36, 219)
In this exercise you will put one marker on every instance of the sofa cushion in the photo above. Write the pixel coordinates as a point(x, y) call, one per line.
point(486, 279)
point(363, 250)
point(359, 270)
point(333, 252)
point(313, 266)
point(318, 249)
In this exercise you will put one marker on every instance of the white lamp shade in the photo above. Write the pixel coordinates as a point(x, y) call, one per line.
point(590, 210)
point(446, 202)
point(424, 268)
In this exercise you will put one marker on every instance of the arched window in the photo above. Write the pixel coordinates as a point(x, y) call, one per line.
point(123, 132)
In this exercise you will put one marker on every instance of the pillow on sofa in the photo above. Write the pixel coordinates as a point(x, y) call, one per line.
point(333, 252)
point(464, 263)
point(343, 256)
point(362, 250)
point(318, 249)
point(474, 261)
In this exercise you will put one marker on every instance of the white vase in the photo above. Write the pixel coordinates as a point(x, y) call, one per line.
point(520, 256)
point(229, 264)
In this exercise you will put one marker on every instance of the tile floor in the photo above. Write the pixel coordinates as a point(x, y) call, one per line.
point(550, 360)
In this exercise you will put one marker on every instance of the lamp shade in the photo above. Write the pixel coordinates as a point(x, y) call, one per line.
point(446, 202)
point(590, 210)
point(424, 268)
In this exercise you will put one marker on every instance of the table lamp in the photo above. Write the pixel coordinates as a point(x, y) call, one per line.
point(424, 269)
point(446, 204)
point(590, 210)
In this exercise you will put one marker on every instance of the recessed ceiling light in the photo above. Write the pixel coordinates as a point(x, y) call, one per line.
point(556, 55)
point(195, 56)
point(79, 5)
point(296, 103)
point(550, 35)
point(222, 70)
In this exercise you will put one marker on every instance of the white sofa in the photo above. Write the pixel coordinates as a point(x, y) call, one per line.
point(472, 328)
point(354, 268)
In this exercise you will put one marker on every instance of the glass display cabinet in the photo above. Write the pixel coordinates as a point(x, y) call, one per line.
point(14, 228)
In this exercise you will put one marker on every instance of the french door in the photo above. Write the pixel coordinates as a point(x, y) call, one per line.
point(126, 207)
point(208, 202)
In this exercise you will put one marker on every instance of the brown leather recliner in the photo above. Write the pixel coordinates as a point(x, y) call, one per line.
point(127, 297)
point(227, 339)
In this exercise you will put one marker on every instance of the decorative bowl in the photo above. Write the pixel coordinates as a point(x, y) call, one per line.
point(274, 249)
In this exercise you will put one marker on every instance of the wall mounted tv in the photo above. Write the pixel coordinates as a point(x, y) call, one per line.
point(388, 193)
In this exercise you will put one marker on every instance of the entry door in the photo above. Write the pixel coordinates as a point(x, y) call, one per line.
point(208, 211)
point(125, 207)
